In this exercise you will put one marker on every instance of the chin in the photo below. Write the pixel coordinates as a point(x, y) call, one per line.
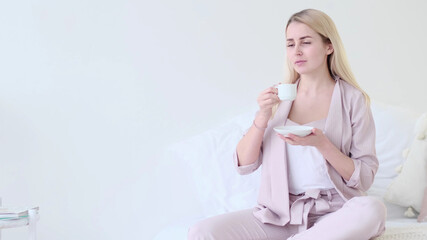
point(302, 70)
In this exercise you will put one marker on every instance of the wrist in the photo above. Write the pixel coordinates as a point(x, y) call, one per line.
point(261, 128)
point(324, 145)
point(263, 115)
point(261, 121)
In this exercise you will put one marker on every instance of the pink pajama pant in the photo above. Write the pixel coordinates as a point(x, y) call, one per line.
point(326, 217)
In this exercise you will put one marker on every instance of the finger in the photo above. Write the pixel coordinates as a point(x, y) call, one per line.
point(316, 131)
point(269, 102)
point(281, 136)
point(274, 98)
point(286, 139)
point(272, 90)
point(275, 90)
point(268, 96)
point(293, 137)
point(290, 141)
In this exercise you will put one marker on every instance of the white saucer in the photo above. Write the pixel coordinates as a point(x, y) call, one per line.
point(301, 131)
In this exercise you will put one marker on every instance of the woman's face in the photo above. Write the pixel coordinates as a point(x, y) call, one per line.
point(305, 49)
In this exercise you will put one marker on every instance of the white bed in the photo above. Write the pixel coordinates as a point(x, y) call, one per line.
point(205, 161)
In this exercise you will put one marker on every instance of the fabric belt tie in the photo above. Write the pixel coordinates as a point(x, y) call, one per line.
point(303, 205)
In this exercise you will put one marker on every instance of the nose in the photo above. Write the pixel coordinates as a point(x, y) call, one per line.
point(298, 51)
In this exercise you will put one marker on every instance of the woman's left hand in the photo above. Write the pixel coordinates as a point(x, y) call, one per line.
point(316, 138)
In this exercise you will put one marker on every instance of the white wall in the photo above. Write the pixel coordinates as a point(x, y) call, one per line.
point(91, 92)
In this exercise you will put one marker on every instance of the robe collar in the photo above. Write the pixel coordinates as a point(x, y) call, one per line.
point(333, 126)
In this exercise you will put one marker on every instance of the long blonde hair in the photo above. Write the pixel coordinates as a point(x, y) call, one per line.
point(337, 61)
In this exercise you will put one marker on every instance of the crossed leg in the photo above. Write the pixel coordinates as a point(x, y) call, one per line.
point(238, 226)
point(360, 218)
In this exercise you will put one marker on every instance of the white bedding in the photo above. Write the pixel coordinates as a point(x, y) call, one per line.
point(221, 189)
point(396, 229)
point(404, 229)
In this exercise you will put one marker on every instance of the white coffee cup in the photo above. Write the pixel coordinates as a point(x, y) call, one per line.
point(287, 91)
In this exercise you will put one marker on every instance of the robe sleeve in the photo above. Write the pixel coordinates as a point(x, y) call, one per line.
point(362, 149)
point(247, 169)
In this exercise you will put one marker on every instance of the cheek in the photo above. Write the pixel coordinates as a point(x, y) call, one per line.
point(318, 54)
point(289, 53)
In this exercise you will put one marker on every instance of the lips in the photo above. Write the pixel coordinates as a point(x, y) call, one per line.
point(299, 63)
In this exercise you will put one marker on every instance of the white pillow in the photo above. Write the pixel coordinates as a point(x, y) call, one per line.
point(394, 132)
point(407, 189)
point(208, 159)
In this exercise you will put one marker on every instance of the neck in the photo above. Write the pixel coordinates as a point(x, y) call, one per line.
point(316, 81)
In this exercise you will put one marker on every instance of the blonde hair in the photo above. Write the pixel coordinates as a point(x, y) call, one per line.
point(337, 61)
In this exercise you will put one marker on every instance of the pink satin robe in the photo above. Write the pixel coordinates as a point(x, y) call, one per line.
point(349, 126)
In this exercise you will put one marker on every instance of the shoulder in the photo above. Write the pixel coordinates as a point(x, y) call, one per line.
point(354, 102)
point(351, 94)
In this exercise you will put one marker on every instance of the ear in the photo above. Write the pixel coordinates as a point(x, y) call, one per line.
point(329, 48)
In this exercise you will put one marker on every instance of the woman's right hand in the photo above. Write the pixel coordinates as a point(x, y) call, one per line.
point(266, 100)
point(249, 147)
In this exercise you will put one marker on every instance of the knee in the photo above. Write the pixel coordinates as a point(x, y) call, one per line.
point(370, 209)
point(375, 206)
point(200, 231)
point(195, 232)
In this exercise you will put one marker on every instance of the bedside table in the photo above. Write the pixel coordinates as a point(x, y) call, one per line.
point(29, 221)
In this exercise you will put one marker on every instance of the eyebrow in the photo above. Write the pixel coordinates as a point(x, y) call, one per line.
point(301, 38)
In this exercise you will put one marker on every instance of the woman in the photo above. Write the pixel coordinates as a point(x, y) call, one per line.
point(311, 187)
